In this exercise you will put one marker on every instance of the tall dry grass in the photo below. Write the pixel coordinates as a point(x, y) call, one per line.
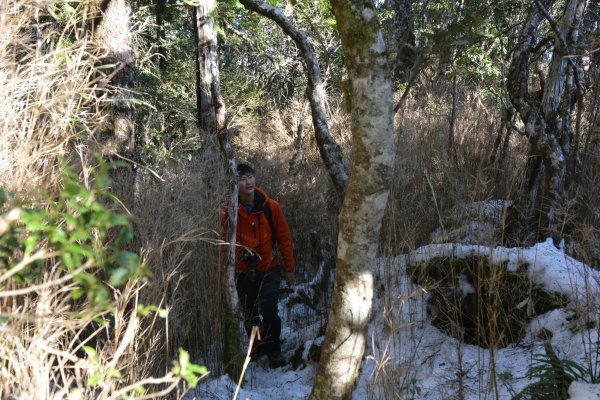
point(429, 192)
point(176, 227)
point(53, 93)
point(49, 97)
point(51, 104)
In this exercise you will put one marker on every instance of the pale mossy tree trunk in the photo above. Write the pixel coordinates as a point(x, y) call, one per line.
point(547, 114)
point(231, 324)
point(211, 121)
point(365, 201)
point(211, 108)
point(112, 37)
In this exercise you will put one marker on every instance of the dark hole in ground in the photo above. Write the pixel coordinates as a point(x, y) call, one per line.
point(481, 303)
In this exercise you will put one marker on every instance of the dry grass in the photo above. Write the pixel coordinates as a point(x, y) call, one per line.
point(305, 192)
point(52, 101)
point(53, 95)
point(176, 225)
point(428, 186)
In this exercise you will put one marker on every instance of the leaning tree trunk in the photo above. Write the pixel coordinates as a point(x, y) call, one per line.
point(330, 151)
point(365, 200)
point(547, 119)
point(112, 37)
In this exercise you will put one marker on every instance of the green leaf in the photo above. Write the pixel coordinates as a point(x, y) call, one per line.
point(125, 236)
point(91, 353)
point(188, 371)
point(184, 358)
point(72, 189)
point(3, 197)
point(77, 293)
point(198, 369)
point(67, 259)
point(128, 260)
point(94, 379)
point(57, 235)
point(119, 276)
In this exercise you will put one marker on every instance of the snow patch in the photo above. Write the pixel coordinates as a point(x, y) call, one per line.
point(408, 356)
point(584, 391)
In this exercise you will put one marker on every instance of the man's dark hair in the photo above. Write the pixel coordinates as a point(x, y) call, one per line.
point(244, 169)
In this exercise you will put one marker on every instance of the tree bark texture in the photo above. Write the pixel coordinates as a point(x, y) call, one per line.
point(404, 38)
point(365, 200)
point(211, 108)
point(547, 119)
point(330, 151)
point(160, 10)
point(231, 327)
point(112, 36)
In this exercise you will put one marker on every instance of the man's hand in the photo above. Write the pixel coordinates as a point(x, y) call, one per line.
point(289, 277)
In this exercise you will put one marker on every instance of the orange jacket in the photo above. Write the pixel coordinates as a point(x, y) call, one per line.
point(254, 231)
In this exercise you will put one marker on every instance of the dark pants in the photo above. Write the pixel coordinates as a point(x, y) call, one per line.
point(261, 297)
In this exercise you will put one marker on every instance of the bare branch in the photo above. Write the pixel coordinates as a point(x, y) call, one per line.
point(331, 152)
point(563, 43)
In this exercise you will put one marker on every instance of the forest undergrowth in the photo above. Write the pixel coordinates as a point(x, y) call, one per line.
point(122, 337)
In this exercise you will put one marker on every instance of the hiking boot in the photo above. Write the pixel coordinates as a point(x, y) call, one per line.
point(276, 360)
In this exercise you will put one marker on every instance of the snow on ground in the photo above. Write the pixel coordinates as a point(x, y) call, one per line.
point(408, 355)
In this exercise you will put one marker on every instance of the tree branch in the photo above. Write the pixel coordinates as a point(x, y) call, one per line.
point(331, 152)
point(563, 43)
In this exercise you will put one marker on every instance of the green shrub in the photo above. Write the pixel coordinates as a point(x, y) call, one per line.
point(553, 377)
point(79, 233)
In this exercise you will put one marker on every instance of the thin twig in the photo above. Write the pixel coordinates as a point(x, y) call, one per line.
point(35, 288)
point(255, 333)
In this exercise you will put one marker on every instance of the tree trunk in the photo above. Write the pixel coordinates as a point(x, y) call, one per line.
point(365, 200)
point(160, 10)
point(112, 37)
point(231, 326)
point(547, 120)
point(330, 151)
point(211, 120)
point(404, 38)
point(211, 108)
point(452, 156)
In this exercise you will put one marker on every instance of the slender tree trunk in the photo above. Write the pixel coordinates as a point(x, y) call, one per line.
point(593, 125)
point(160, 10)
point(231, 326)
point(211, 120)
point(365, 200)
point(330, 151)
point(404, 38)
point(452, 131)
point(211, 108)
point(112, 37)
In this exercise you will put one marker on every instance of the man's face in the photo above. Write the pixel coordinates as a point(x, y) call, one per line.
point(247, 182)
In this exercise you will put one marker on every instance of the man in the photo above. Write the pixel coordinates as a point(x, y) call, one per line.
point(261, 224)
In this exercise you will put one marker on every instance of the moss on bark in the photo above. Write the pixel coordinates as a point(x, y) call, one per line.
point(232, 355)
